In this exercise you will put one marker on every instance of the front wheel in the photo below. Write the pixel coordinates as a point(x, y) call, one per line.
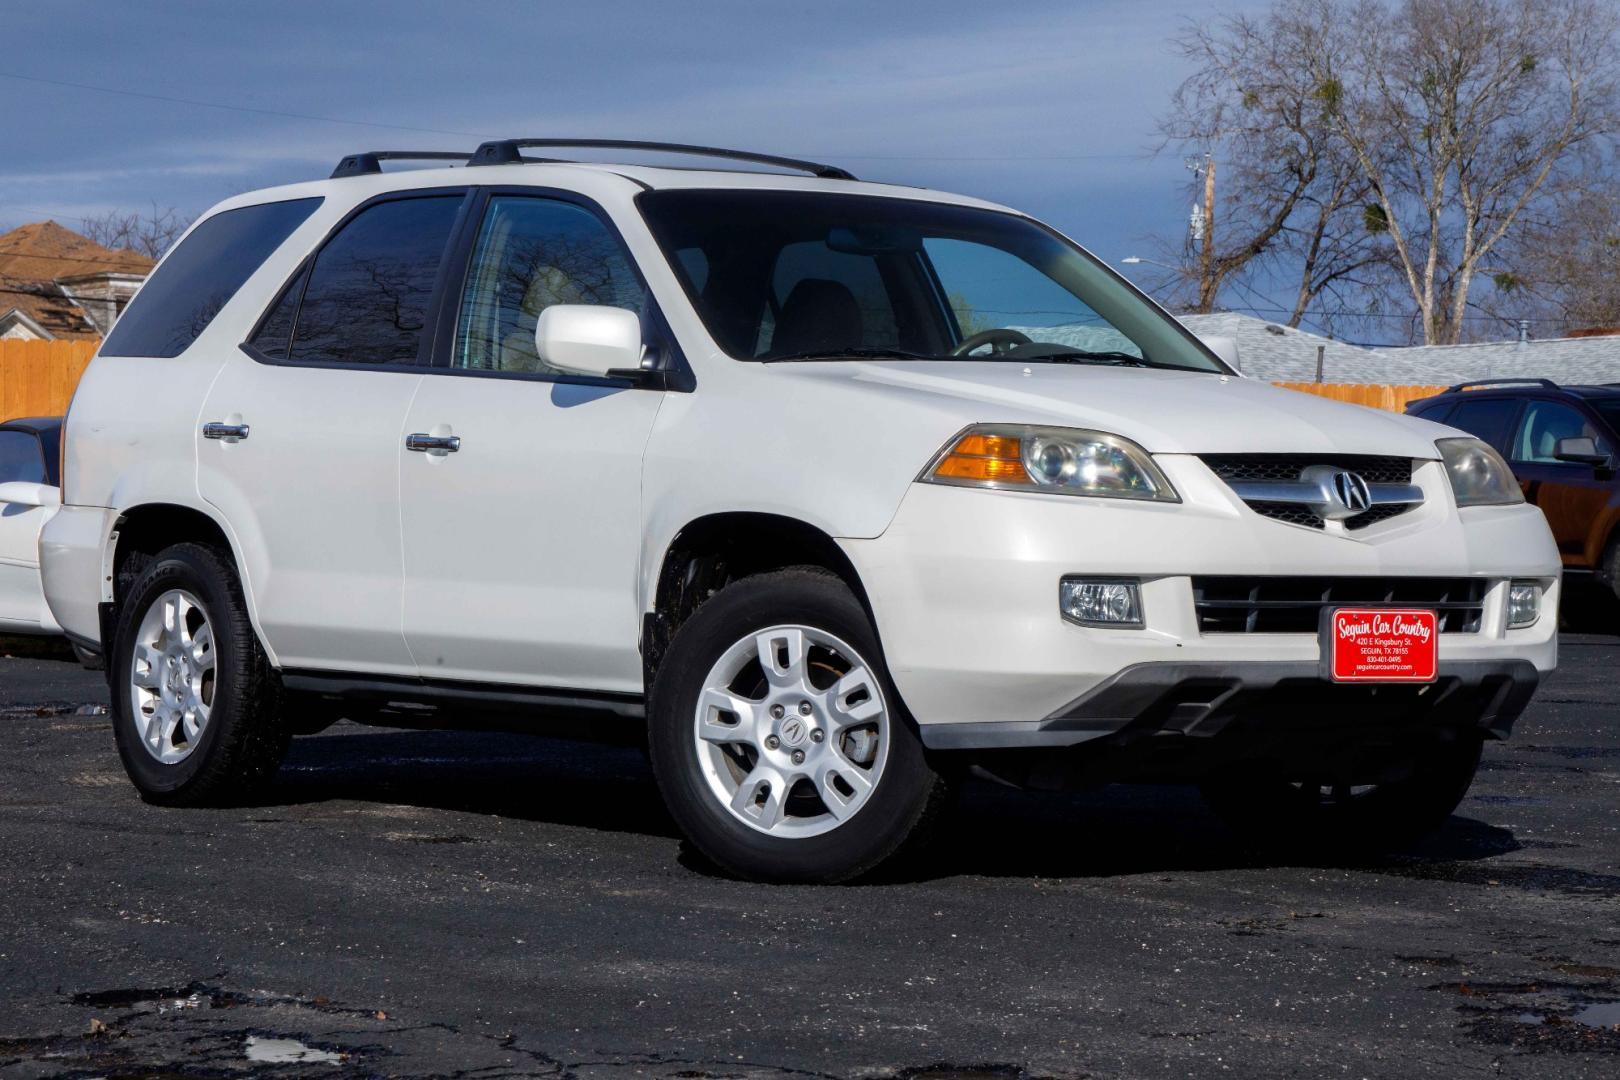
point(195, 703)
point(778, 740)
point(1333, 815)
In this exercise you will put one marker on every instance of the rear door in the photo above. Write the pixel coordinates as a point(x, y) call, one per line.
point(1571, 494)
point(522, 544)
point(299, 442)
point(21, 605)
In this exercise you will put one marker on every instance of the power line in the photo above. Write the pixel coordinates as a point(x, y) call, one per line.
point(236, 108)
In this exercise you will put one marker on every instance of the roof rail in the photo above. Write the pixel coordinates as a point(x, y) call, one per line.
point(371, 160)
point(1547, 383)
point(505, 152)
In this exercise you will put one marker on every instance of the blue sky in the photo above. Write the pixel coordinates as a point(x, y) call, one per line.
point(1046, 105)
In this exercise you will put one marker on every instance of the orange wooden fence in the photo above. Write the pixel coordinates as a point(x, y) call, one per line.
point(1373, 395)
point(37, 377)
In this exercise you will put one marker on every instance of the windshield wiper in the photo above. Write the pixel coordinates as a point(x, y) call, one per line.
point(1082, 356)
point(861, 352)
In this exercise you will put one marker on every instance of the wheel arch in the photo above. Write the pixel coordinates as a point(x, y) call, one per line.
point(144, 529)
point(709, 551)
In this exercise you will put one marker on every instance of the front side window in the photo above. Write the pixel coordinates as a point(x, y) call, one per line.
point(787, 275)
point(1544, 424)
point(200, 276)
point(20, 458)
point(367, 294)
point(533, 253)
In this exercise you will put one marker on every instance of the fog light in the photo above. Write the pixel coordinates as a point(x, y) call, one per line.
point(1524, 604)
point(1116, 604)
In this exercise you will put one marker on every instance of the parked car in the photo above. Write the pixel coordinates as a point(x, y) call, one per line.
point(831, 488)
point(1561, 443)
point(30, 455)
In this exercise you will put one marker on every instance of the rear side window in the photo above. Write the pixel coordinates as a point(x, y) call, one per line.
point(367, 296)
point(1490, 419)
point(1436, 412)
point(199, 277)
point(20, 458)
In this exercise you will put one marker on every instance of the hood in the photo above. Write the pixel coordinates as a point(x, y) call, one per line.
point(1166, 412)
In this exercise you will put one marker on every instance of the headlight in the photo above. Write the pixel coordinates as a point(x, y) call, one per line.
point(1062, 461)
point(1479, 476)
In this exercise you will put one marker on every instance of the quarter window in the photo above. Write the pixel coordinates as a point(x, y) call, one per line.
point(1546, 422)
point(533, 253)
point(20, 458)
point(199, 277)
point(1490, 419)
point(367, 298)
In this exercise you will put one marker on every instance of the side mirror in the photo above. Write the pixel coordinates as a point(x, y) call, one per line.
point(23, 493)
point(1581, 450)
point(589, 339)
point(1224, 347)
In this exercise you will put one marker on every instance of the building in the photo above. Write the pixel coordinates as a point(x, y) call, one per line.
point(56, 285)
point(1283, 354)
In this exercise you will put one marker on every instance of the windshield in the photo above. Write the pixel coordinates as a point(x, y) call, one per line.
point(1609, 408)
point(787, 275)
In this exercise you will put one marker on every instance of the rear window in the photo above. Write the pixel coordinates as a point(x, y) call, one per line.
point(199, 277)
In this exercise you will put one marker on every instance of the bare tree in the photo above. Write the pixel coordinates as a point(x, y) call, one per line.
point(1462, 113)
point(1292, 196)
point(148, 233)
point(1556, 268)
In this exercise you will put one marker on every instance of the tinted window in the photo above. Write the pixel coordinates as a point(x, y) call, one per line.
point(368, 293)
point(275, 333)
point(809, 288)
point(1546, 422)
point(20, 458)
point(1490, 419)
point(531, 254)
point(200, 276)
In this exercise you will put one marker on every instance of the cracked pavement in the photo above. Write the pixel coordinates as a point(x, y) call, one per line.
point(415, 904)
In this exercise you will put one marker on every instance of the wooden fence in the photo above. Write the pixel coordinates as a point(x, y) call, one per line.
point(37, 379)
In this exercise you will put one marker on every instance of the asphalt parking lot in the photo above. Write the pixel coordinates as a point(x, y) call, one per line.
point(428, 904)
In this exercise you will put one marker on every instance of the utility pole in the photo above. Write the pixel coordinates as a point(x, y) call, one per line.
point(1206, 259)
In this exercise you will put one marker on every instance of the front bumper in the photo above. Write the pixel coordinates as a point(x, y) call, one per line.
point(963, 585)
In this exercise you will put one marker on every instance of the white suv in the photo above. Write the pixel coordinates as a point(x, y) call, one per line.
point(831, 488)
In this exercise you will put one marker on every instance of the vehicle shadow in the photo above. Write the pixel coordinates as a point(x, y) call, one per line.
point(987, 830)
point(1588, 607)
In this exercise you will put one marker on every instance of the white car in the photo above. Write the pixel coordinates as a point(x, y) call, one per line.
point(30, 453)
point(834, 487)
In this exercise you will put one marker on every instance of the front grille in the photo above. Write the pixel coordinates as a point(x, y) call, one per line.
point(1294, 605)
point(1285, 468)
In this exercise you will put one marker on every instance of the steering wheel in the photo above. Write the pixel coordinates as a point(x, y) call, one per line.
point(1001, 340)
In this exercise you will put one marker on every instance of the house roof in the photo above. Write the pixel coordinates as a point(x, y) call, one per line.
point(33, 257)
point(45, 251)
point(1283, 354)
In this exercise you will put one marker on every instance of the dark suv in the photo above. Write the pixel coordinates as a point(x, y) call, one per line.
point(1562, 442)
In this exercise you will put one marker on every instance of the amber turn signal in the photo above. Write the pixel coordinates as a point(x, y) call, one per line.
point(977, 456)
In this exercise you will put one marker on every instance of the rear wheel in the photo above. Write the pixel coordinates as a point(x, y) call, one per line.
point(778, 740)
point(194, 700)
point(1304, 812)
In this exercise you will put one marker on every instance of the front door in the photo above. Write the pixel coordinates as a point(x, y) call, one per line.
point(300, 437)
point(521, 491)
point(1571, 494)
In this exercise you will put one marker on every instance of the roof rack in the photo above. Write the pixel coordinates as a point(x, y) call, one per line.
point(1547, 383)
point(371, 160)
point(505, 152)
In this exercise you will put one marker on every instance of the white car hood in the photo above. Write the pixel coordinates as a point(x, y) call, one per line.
point(1166, 412)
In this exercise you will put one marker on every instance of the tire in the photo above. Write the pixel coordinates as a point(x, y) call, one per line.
point(858, 749)
point(1305, 815)
point(226, 738)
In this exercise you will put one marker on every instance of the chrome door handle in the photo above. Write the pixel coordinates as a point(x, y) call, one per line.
point(228, 432)
point(433, 444)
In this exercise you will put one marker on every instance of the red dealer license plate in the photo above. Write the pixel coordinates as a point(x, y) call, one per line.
point(1382, 645)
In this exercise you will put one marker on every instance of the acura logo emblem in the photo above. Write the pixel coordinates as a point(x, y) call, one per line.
point(1351, 491)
